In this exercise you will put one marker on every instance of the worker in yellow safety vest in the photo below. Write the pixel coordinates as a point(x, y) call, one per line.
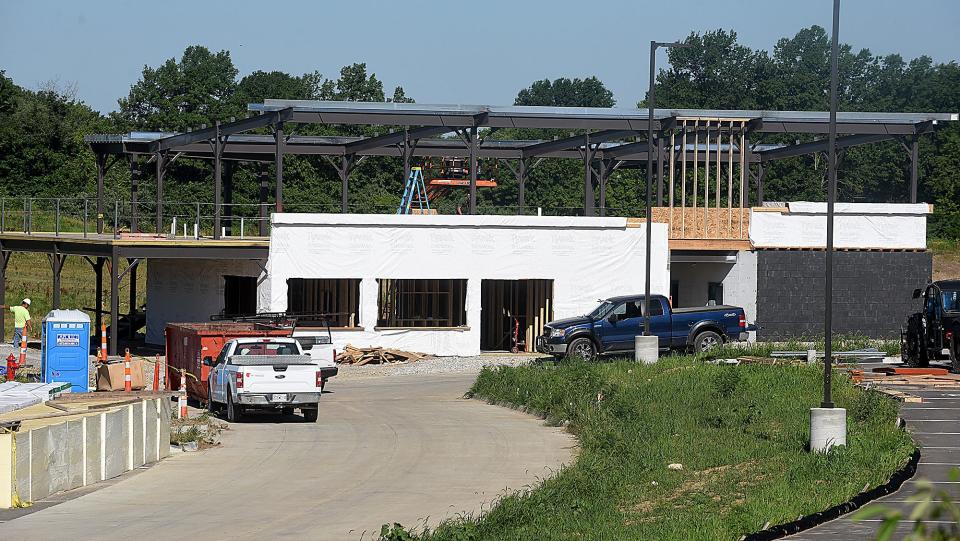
point(21, 320)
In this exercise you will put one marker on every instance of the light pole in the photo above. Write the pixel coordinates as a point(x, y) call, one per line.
point(828, 424)
point(651, 104)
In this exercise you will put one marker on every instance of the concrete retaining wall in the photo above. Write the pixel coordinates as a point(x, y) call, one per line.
point(39, 462)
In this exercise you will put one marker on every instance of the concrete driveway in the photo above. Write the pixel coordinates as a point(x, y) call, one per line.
point(402, 449)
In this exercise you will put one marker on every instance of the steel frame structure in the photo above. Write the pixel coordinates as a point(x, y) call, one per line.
point(608, 139)
point(604, 146)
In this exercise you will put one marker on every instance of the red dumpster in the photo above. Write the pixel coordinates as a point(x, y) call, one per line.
point(189, 343)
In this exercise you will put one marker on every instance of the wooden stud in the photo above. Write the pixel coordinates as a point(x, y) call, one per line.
point(683, 182)
point(730, 183)
point(696, 170)
point(706, 184)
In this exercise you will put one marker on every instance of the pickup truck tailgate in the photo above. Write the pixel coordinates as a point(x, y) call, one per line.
point(277, 373)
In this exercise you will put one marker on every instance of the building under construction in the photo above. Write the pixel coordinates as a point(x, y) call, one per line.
point(722, 241)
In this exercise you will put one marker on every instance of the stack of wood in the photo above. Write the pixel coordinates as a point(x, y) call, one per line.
point(921, 377)
point(362, 356)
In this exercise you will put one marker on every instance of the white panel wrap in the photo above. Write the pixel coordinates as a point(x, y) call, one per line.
point(587, 258)
point(856, 225)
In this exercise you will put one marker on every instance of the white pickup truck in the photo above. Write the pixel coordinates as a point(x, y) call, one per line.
point(269, 373)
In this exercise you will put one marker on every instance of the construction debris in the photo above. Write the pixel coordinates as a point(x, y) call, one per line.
point(376, 355)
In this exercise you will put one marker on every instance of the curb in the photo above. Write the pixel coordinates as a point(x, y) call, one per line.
point(815, 519)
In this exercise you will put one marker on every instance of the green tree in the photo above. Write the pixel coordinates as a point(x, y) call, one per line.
point(564, 92)
point(182, 94)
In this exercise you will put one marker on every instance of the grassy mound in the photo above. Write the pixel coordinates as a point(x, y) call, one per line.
point(739, 432)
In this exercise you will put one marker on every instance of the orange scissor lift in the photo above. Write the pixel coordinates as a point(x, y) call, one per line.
point(417, 193)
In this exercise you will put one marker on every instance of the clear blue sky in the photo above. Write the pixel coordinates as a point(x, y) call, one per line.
point(479, 52)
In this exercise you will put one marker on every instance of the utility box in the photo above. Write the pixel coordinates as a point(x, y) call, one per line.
point(64, 350)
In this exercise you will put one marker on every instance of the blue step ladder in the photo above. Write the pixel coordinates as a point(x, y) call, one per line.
point(414, 193)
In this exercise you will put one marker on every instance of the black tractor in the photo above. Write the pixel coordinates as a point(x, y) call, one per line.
point(934, 332)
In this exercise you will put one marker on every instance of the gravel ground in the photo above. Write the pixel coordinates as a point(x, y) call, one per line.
point(435, 365)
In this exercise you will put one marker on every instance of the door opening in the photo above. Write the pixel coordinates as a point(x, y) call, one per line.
point(513, 313)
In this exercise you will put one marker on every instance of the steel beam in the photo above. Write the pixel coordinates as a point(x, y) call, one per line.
point(208, 134)
point(521, 186)
point(395, 138)
point(56, 265)
point(820, 146)
point(573, 143)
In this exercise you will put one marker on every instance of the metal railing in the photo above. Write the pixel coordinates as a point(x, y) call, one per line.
point(78, 216)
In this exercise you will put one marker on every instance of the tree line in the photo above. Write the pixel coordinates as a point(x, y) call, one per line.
point(42, 152)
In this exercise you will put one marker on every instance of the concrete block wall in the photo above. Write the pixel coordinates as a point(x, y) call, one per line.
point(78, 452)
point(872, 292)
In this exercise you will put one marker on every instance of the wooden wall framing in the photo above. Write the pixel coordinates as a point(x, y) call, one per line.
point(339, 296)
point(421, 303)
point(530, 301)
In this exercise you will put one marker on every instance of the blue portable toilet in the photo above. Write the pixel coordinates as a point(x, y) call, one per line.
point(65, 349)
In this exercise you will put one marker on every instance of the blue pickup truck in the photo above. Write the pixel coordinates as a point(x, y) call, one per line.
point(612, 326)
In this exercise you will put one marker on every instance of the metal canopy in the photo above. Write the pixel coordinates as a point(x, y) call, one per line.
point(414, 114)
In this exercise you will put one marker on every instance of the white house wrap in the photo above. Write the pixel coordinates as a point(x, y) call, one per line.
point(585, 258)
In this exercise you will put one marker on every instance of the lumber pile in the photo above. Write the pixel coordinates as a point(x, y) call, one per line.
point(361, 356)
point(933, 378)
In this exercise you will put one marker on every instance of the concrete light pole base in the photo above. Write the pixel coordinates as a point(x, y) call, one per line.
point(828, 427)
point(646, 349)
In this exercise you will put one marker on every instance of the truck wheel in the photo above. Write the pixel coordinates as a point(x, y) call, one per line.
point(582, 348)
point(234, 412)
point(311, 415)
point(913, 351)
point(706, 340)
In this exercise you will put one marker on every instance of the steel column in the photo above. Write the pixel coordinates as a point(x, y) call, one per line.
point(407, 151)
point(264, 190)
point(56, 265)
point(473, 170)
point(228, 196)
point(101, 172)
point(521, 186)
point(134, 181)
point(4, 260)
point(602, 166)
point(159, 218)
point(346, 166)
point(217, 181)
point(98, 317)
point(660, 169)
point(760, 184)
point(114, 301)
point(914, 167)
point(588, 195)
point(131, 331)
point(278, 160)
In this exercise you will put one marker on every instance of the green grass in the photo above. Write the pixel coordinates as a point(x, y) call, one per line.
point(30, 275)
point(740, 433)
point(845, 342)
